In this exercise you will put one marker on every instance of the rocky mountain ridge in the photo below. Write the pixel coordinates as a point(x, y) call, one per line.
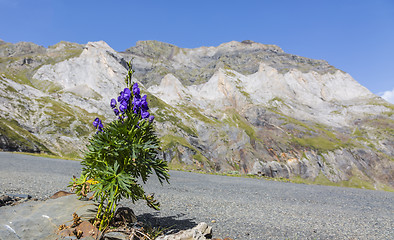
point(239, 107)
point(153, 60)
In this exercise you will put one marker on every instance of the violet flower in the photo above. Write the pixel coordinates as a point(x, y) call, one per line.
point(113, 103)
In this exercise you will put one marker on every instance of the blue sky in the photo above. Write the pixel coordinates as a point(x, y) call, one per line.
point(356, 36)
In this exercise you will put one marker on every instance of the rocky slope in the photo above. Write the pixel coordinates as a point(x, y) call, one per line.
point(239, 107)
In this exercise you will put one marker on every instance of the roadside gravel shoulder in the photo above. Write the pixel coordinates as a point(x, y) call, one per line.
point(241, 208)
point(38, 177)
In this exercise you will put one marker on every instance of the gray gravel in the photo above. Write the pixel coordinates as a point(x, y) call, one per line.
point(241, 208)
point(37, 176)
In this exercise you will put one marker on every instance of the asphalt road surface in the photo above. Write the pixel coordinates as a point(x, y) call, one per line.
point(240, 208)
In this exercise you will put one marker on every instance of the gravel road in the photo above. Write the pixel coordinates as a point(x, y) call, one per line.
point(240, 208)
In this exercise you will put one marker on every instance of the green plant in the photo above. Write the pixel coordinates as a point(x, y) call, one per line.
point(121, 153)
point(154, 232)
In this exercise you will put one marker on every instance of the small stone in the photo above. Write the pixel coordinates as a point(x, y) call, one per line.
point(201, 227)
point(125, 215)
point(4, 199)
point(116, 236)
point(208, 232)
point(60, 194)
point(204, 229)
point(213, 221)
point(190, 234)
point(87, 229)
point(21, 196)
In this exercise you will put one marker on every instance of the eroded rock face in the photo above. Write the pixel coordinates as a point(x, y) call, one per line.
point(307, 96)
point(244, 107)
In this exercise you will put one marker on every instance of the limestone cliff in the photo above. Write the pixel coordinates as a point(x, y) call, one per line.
point(240, 107)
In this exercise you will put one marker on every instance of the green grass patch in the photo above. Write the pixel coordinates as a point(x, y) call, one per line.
point(196, 113)
point(236, 120)
point(355, 181)
point(230, 74)
point(200, 158)
point(155, 102)
point(318, 143)
point(383, 125)
point(298, 123)
point(357, 132)
point(328, 132)
point(336, 112)
point(73, 155)
point(382, 103)
point(68, 51)
point(180, 166)
point(167, 113)
point(88, 117)
point(276, 99)
point(19, 76)
point(315, 135)
point(379, 102)
point(10, 89)
point(241, 89)
point(45, 155)
point(69, 120)
point(227, 67)
point(20, 136)
point(46, 86)
point(169, 141)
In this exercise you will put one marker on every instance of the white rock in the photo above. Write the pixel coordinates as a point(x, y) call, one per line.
point(197, 233)
point(97, 70)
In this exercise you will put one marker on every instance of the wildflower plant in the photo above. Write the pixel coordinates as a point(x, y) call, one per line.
point(120, 154)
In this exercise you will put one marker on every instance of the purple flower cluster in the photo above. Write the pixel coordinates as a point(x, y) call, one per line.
point(139, 105)
point(123, 99)
point(98, 124)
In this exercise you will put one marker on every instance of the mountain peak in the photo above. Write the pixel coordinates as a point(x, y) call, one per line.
point(99, 44)
point(20, 49)
point(170, 90)
point(249, 45)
